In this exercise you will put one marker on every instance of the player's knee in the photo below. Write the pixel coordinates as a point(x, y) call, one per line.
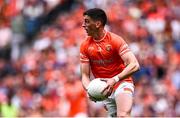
point(123, 114)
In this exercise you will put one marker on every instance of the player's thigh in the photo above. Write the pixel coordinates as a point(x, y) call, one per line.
point(124, 98)
point(124, 103)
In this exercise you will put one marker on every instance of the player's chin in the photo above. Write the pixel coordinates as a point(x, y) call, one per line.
point(89, 34)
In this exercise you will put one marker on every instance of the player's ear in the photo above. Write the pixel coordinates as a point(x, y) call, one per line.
point(98, 24)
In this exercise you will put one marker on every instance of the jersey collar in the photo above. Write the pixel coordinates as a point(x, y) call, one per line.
point(101, 38)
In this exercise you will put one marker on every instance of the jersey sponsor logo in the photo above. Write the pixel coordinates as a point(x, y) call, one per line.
point(102, 61)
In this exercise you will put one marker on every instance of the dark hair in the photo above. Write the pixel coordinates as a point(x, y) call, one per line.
point(97, 14)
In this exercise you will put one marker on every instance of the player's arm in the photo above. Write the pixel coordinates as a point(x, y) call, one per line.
point(85, 74)
point(84, 65)
point(128, 58)
point(131, 64)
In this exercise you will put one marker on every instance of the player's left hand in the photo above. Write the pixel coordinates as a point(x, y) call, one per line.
point(109, 88)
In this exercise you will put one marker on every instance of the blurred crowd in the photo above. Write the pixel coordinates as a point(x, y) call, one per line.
point(39, 56)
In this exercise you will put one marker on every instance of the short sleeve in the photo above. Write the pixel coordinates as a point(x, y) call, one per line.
point(83, 53)
point(120, 45)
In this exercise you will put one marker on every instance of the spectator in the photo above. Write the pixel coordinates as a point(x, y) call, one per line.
point(40, 73)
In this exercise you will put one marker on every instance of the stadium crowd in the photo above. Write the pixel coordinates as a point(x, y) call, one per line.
point(39, 56)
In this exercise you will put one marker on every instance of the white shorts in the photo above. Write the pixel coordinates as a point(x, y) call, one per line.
point(110, 103)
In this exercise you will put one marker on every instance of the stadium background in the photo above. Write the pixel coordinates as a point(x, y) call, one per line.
point(39, 56)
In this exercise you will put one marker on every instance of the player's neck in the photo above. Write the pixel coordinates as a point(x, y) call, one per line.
point(99, 35)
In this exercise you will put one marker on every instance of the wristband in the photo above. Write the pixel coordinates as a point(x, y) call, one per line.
point(116, 78)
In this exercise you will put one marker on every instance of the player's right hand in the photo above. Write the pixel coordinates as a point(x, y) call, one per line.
point(109, 88)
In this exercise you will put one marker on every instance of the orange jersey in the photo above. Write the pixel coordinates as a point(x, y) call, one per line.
point(104, 55)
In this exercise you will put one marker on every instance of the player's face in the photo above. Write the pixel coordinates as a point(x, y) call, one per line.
point(90, 25)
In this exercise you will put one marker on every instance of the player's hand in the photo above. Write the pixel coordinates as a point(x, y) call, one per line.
point(109, 88)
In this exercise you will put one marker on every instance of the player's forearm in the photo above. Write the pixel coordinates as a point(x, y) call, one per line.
point(129, 70)
point(85, 82)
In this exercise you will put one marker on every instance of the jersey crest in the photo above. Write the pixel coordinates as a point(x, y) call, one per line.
point(108, 48)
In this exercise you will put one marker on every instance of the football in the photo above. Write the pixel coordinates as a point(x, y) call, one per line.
point(95, 87)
